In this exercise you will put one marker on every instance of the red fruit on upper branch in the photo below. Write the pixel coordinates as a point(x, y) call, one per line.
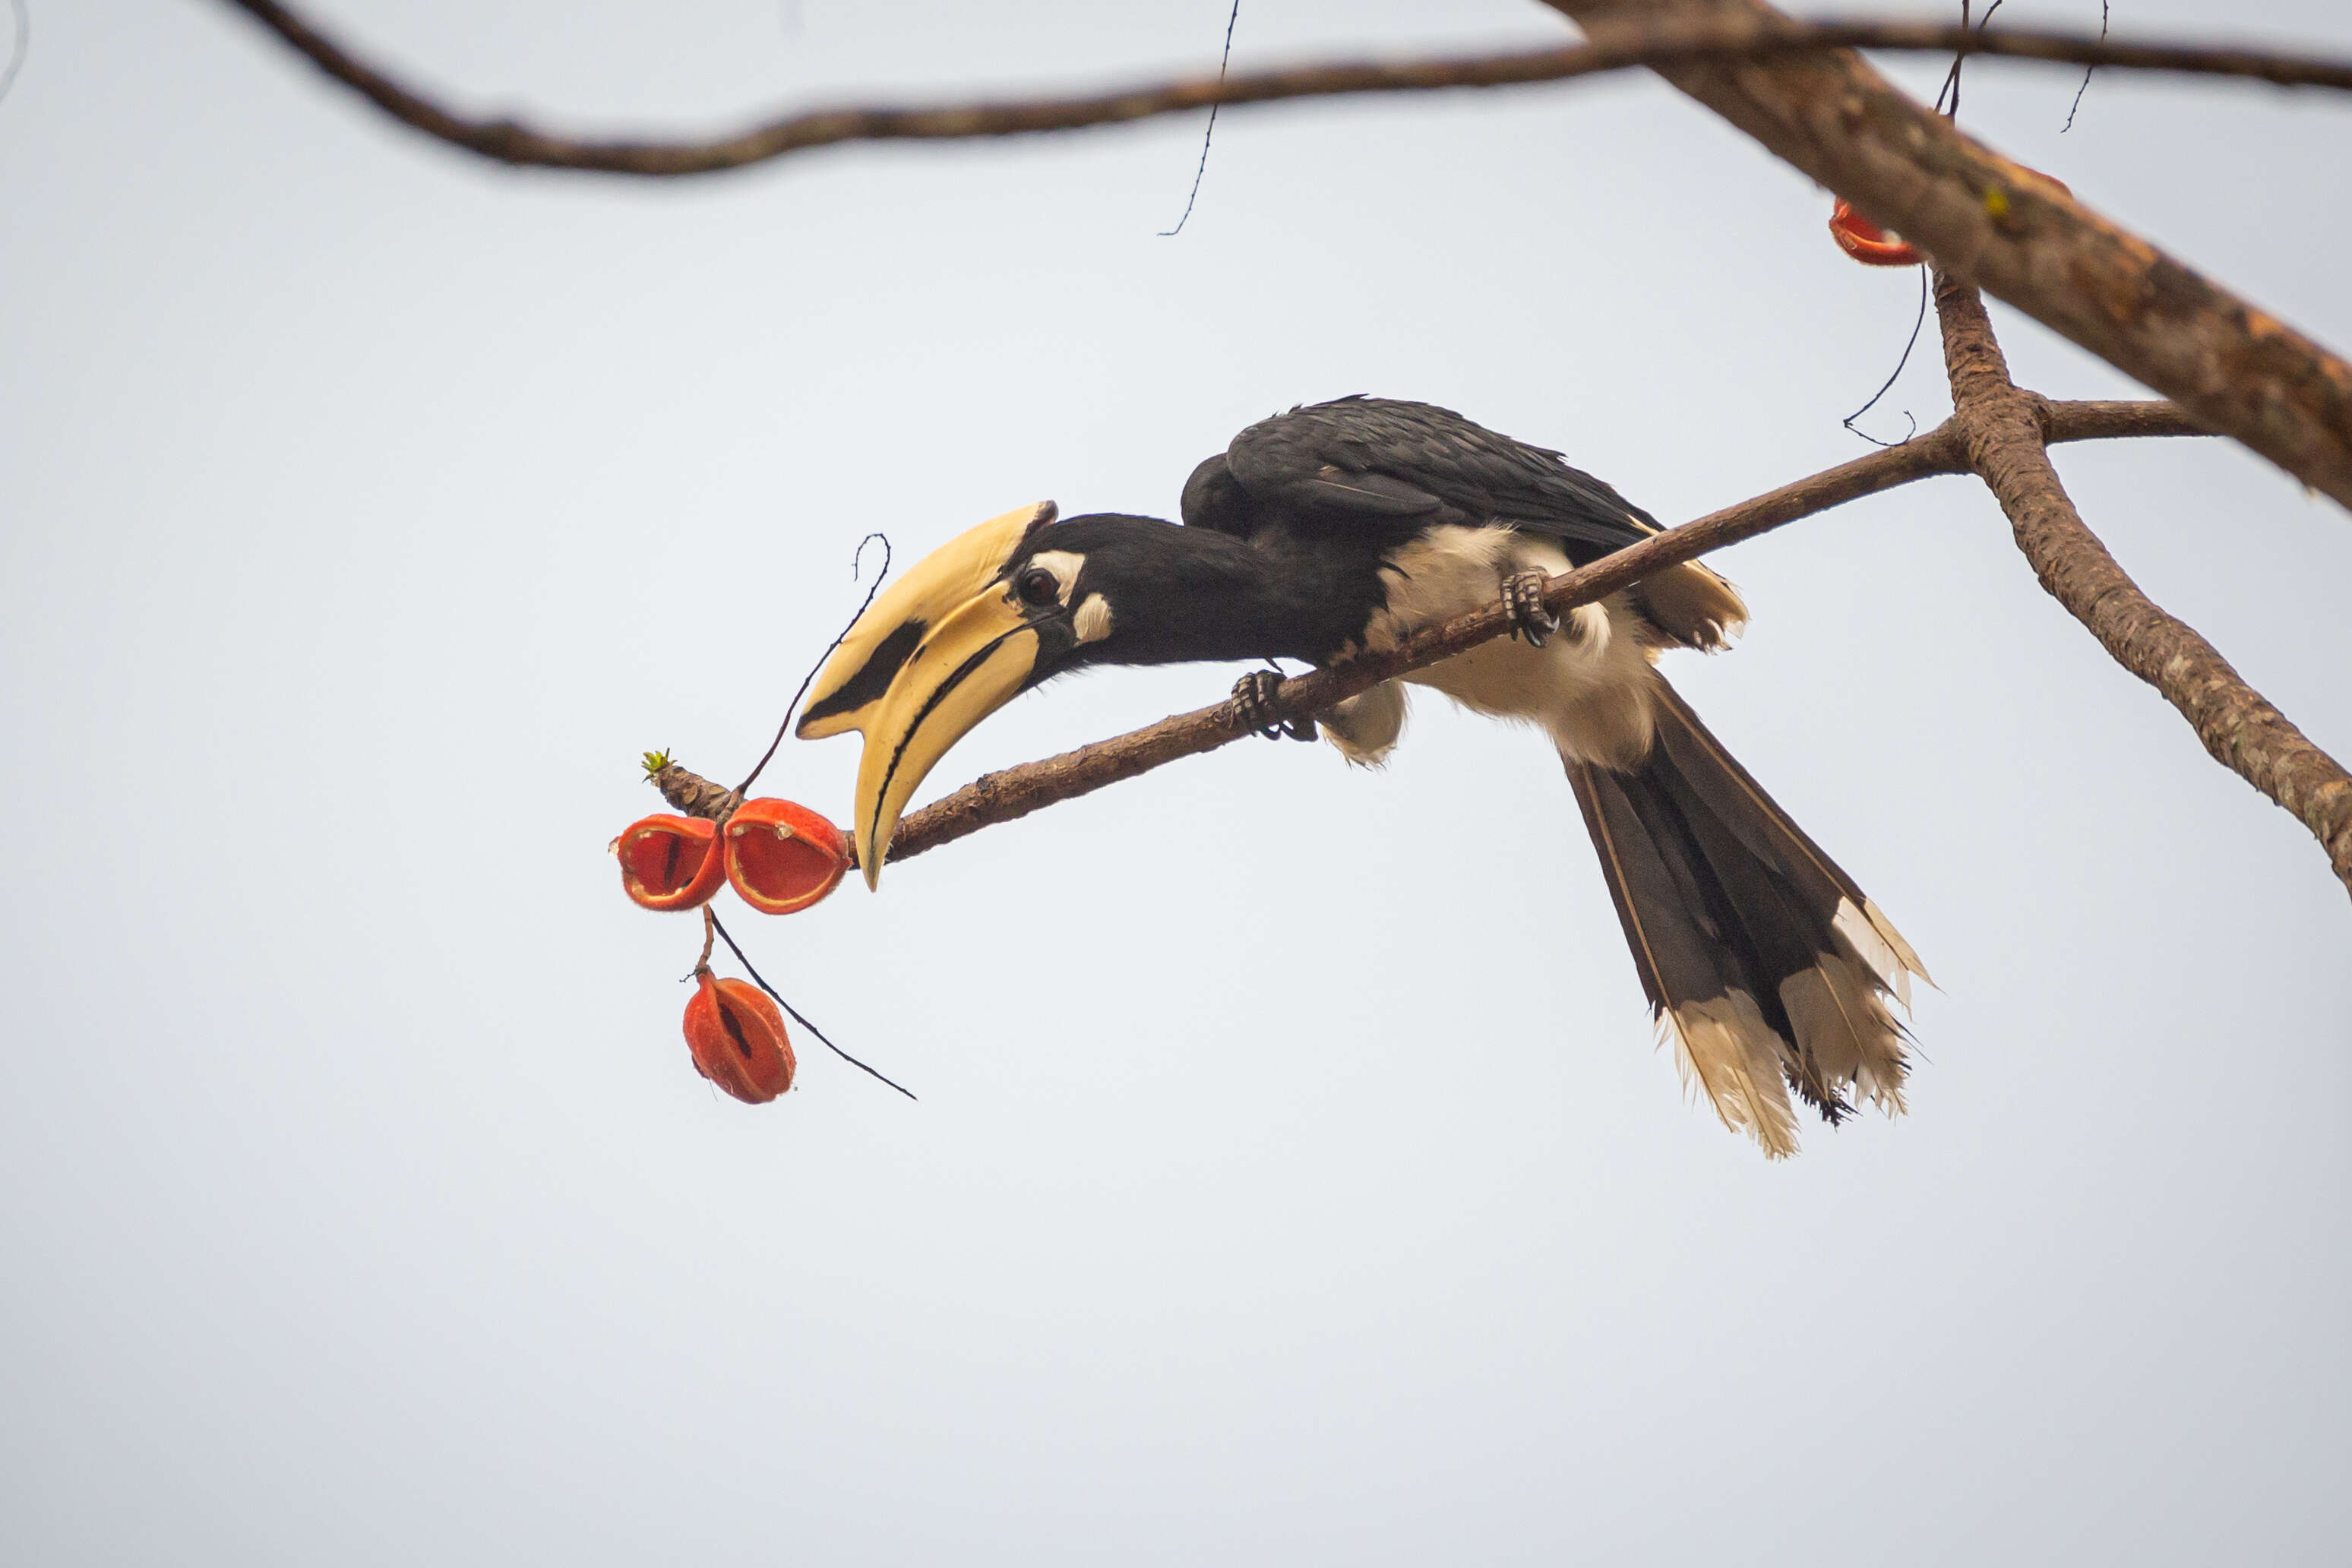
point(1874, 246)
point(1866, 242)
point(670, 862)
point(737, 1034)
point(782, 856)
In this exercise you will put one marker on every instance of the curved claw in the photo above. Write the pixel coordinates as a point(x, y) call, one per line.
point(1523, 603)
point(1252, 708)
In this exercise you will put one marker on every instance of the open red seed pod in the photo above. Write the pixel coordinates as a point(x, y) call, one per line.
point(1866, 242)
point(782, 856)
point(737, 1034)
point(669, 862)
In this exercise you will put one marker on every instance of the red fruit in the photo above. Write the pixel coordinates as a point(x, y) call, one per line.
point(670, 862)
point(1866, 242)
point(782, 856)
point(736, 1035)
point(1873, 246)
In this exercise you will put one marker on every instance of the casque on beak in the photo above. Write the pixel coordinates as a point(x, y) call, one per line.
point(943, 648)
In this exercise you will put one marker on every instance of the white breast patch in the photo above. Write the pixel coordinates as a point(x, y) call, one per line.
point(1590, 693)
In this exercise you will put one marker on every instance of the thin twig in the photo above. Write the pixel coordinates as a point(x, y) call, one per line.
point(2074, 107)
point(1948, 97)
point(1209, 134)
point(1917, 322)
point(2000, 427)
point(720, 928)
point(516, 142)
point(859, 555)
point(1951, 110)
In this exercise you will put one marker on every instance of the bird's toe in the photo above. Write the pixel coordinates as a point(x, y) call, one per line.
point(1531, 620)
point(1251, 707)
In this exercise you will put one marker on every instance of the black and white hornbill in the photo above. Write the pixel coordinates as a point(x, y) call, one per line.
point(1347, 526)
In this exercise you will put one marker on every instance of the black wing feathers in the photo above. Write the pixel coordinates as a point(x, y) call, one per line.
point(1375, 459)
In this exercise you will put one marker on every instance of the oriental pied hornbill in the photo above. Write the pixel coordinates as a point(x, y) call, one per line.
point(1349, 525)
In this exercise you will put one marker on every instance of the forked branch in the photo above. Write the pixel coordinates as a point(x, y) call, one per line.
point(1796, 88)
point(1998, 428)
point(2240, 372)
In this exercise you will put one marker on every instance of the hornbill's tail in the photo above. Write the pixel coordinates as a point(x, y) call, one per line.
point(1765, 965)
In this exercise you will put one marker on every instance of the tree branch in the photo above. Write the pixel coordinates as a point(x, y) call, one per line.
point(2104, 420)
point(2001, 429)
point(1016, 792)
point(515, 142)
point(2238, 371)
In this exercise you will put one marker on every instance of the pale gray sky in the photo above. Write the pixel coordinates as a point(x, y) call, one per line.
point(1294, 1180)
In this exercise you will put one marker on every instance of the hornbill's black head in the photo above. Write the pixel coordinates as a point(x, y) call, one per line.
point(1021, 599)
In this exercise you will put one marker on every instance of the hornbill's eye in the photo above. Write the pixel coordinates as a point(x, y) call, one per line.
point(1038, 587)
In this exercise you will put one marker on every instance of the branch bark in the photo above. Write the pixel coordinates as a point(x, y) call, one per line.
point(515, 142)
point(2238, 371)
point(2000, 427)
point(1016, 792)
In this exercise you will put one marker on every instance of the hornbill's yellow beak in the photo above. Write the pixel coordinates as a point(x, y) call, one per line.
point(946, 646)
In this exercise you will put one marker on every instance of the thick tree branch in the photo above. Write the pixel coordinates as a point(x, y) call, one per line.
point(1016, 792)
point(2001, 429)
point(514, 142)
point(2238, 371)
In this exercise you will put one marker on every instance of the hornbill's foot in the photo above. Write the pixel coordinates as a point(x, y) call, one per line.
point(1252, 708)
point(1523, 603)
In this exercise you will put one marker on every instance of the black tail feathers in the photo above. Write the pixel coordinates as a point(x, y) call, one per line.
point(1766, 967)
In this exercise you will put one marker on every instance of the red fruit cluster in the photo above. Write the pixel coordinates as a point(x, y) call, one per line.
point(778, 855)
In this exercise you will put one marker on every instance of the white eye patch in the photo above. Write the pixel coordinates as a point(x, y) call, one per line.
point(1063, 563)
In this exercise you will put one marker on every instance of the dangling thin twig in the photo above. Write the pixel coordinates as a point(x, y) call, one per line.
point(1949, 93)
point(804, 1022)
point(1950, 110)
point(1921, 320)
point(1952, 77)
point(746, 785)
point(2072, 108)
point(1211, 132)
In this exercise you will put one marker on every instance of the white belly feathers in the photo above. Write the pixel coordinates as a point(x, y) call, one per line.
point(1588, 686)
